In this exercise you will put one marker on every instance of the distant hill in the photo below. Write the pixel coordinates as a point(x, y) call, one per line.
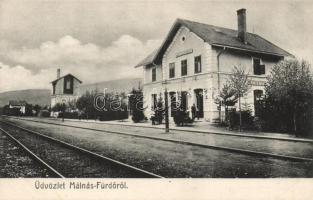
point(32, 96)
point(120, 85)
point(42, 96)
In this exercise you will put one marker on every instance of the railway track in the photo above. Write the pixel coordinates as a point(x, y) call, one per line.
point(67, 160)
point(19, 161)
point(223, 148)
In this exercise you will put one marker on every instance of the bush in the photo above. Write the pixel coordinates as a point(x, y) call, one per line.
point(246, 117)
point(113, 115)
point(58, 107)
point(15, 112)
point(181, 118)
point(136, 105)
point(159, 111)
point(43, 113)
point(69, 115)
point(138, 116)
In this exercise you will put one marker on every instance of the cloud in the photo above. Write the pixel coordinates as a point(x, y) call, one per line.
point(70, 51)
point(19, 78)
point(89, 62)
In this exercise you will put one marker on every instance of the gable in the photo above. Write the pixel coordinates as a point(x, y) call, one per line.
point(185, 42)
point(62, 77)
point(185, 47)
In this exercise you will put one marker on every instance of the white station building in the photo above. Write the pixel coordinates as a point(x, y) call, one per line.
point(196, 59)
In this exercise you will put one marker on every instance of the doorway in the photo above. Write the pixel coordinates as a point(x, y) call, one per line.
point(199, 102)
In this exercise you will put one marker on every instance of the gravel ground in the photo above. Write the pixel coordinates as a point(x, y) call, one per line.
point(288, 148)
point(174, 160)
point(15, 163)
point(70, 163)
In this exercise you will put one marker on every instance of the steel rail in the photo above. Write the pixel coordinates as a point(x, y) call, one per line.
point(33, 155)
point(121, 164)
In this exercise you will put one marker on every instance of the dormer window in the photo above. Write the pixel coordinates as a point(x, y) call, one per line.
point(258, 68)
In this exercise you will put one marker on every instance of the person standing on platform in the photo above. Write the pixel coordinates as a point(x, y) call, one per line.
point(193, 111)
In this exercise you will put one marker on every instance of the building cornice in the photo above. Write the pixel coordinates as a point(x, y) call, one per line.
point(194, 76)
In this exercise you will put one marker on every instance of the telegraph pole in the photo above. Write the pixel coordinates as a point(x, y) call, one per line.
point(63, 109)
point(167, 128)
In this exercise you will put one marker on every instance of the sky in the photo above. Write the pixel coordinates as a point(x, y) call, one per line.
point(103, 40)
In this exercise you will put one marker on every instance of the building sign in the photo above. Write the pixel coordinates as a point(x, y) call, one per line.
point(185, 52)
point(257, 83)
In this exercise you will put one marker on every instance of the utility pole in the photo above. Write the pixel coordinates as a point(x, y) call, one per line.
point(240, 119)
point(63, 109)
point(167, 129)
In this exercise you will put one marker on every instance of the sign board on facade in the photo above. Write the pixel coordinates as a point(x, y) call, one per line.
point(257, 83)
point(185, 52)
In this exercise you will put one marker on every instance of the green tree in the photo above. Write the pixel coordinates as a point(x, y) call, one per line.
point(86, 104)
point(136, 105)
point(160, 109)
point(37, 108)
point(227, 97)
point(290, 93)
point(29, 110)
point(59, 107)
point(239, 82)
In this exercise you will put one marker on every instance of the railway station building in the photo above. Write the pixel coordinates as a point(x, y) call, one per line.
point(195, 60)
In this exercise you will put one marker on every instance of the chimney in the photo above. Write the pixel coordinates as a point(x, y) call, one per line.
point(58, 73)
point(242, 26)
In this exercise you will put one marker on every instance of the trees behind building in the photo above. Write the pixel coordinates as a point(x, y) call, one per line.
point(288, 102)
point(109, 106)
point(287, 105)
point(136, 105)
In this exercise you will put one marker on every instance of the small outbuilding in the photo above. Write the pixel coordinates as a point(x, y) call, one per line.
point(18, 105)
point(64, 89)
